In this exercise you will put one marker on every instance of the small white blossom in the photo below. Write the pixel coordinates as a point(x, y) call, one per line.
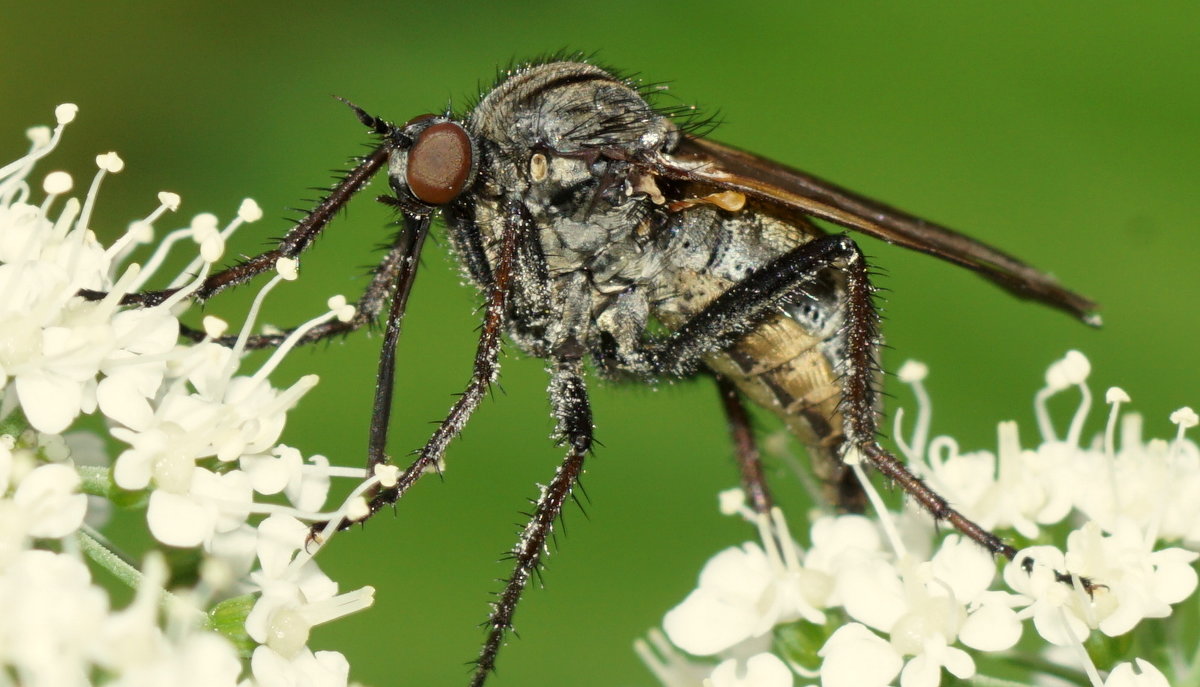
point(856, 657)
point(305, 669)
point(1144, 675)
point(911, 609)
point(50, 502)
point(760, 670)
point(743, 593)
point(1138, 583)
point(200, 438)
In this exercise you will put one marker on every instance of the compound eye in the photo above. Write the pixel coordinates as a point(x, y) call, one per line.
point(418, 118)
point(439, 163)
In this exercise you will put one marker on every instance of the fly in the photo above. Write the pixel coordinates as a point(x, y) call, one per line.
point(591, 221)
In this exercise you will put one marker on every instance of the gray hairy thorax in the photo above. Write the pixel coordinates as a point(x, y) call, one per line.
point(558, 138)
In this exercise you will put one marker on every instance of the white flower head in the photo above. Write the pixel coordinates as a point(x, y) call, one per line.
point(744, 592)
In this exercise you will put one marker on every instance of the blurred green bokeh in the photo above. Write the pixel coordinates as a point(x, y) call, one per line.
point(1066, 133)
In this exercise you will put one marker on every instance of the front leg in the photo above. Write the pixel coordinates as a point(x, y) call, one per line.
point(483, 372)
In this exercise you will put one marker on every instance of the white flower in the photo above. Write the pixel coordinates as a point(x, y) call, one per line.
point(1146, 676)
point(925, 669)
point(52, 615)
point(212, 503)
point(966, 572)
point(200, 659)
point(856, 657)
point(134, 371)
point(50, 502)
point(295, 595)
point(306, 486)
point(1138, 583)
point(936, 602)
point(743, 593)
point(305, 669)
point(1056, 608)
point(140, 654)
point(198, 434)
point(760, 670)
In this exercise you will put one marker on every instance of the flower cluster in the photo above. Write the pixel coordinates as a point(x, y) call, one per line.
point(873, 601)
point(202, 456)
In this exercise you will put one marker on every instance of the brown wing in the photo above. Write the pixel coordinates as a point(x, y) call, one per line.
point(704, 161)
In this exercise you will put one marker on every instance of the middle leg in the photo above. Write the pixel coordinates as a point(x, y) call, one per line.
point(573, 416)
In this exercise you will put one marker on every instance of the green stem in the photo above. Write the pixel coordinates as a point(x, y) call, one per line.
point(124, 571)
point(1041, 665)
point(97, 480)
point(989, 681)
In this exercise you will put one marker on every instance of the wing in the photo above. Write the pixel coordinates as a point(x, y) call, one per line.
point(702, 161)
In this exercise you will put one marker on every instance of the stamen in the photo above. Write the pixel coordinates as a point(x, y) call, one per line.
point(787, 545)
point(185, 292)
point(212, 245)
point(55, 184)
point(247, 212)
point(940, 445)
point(247, 325)
point(160, 253)
point(885, 516)
point(339, 606)
point(1081, 413)
point(112, 300)
point(214, 327)
point(389, 475)
point(142, 231)
point(259, 508)
point(1008, 452)
point(332, 523)
point(344, 471)
point(1115, 397)
point(733, 502)
point(109, 163)
point(63, 224)
point(14, 172)
point(1077, 646)
point(293, 393)
point(281, 351)
point(1071, 370)
point(770, 546)
point(1186, 418)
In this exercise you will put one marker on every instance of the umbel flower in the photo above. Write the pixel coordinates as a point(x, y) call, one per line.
point(871, 602)
point(200, 440)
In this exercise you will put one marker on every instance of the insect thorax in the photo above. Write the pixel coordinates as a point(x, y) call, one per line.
point(607, 253)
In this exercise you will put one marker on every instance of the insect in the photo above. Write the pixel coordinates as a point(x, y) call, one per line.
point(599, 229)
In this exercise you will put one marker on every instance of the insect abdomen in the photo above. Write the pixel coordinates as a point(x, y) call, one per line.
point(788, 363)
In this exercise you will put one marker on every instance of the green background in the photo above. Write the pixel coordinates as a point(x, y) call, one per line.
point(1067, 133)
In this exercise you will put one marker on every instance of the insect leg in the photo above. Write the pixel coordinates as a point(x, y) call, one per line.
point(385, 278)
point(406, 251)
point(741, 308)
point(298, 238)
point(744, 305)
point(745, 448)
point(859, 405)
point(573, 416)
point(484, 370)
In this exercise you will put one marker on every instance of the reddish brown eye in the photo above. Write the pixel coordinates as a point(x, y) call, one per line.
point(418, 118)
point(439, 163)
